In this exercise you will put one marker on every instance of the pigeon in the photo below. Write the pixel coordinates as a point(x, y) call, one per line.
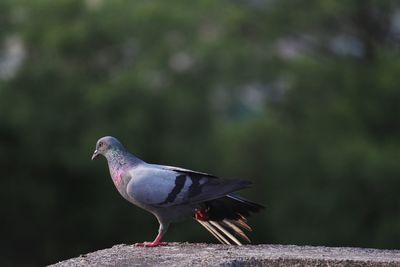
point(173, 194)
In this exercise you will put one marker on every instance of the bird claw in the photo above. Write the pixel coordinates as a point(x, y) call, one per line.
point(201, 214)
point(150, 244)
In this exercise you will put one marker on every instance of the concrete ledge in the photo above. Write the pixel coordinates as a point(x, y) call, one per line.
point(188, 254)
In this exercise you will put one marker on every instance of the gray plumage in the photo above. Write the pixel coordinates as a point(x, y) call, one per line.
point(172, 194)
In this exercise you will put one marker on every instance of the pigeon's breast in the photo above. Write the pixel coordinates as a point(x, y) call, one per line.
point(121, 179)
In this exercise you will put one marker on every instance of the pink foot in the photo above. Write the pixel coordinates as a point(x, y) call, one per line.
point(157, 242)
point(151, 244)
point(201, 214)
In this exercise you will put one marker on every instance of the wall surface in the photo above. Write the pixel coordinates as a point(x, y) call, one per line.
point(186, 254)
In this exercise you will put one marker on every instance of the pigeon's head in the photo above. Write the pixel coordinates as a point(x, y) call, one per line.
point(106, 144)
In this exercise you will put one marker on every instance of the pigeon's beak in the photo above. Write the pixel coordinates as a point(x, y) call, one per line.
point(95, 154)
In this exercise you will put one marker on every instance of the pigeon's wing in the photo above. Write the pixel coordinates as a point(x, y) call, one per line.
point(164, 186)
point(186, 171)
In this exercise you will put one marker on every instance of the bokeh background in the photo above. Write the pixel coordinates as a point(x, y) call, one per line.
point(300, 97)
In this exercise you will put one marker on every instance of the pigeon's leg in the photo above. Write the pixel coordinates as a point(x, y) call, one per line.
point(201, 214)
point(157, 242)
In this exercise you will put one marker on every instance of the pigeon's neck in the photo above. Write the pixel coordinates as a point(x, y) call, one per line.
point(120, 160)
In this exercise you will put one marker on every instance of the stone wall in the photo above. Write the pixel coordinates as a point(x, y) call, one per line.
point(189, 254)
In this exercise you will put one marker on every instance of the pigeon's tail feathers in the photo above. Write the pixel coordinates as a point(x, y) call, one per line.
point(235, 226)
point(224, 231)
point(213, 231)
point(231, 207)
point(226, 218)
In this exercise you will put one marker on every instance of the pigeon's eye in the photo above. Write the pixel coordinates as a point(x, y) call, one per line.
point(100, 144)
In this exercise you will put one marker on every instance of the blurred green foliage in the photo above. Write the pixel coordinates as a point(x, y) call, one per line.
point(300, 97)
